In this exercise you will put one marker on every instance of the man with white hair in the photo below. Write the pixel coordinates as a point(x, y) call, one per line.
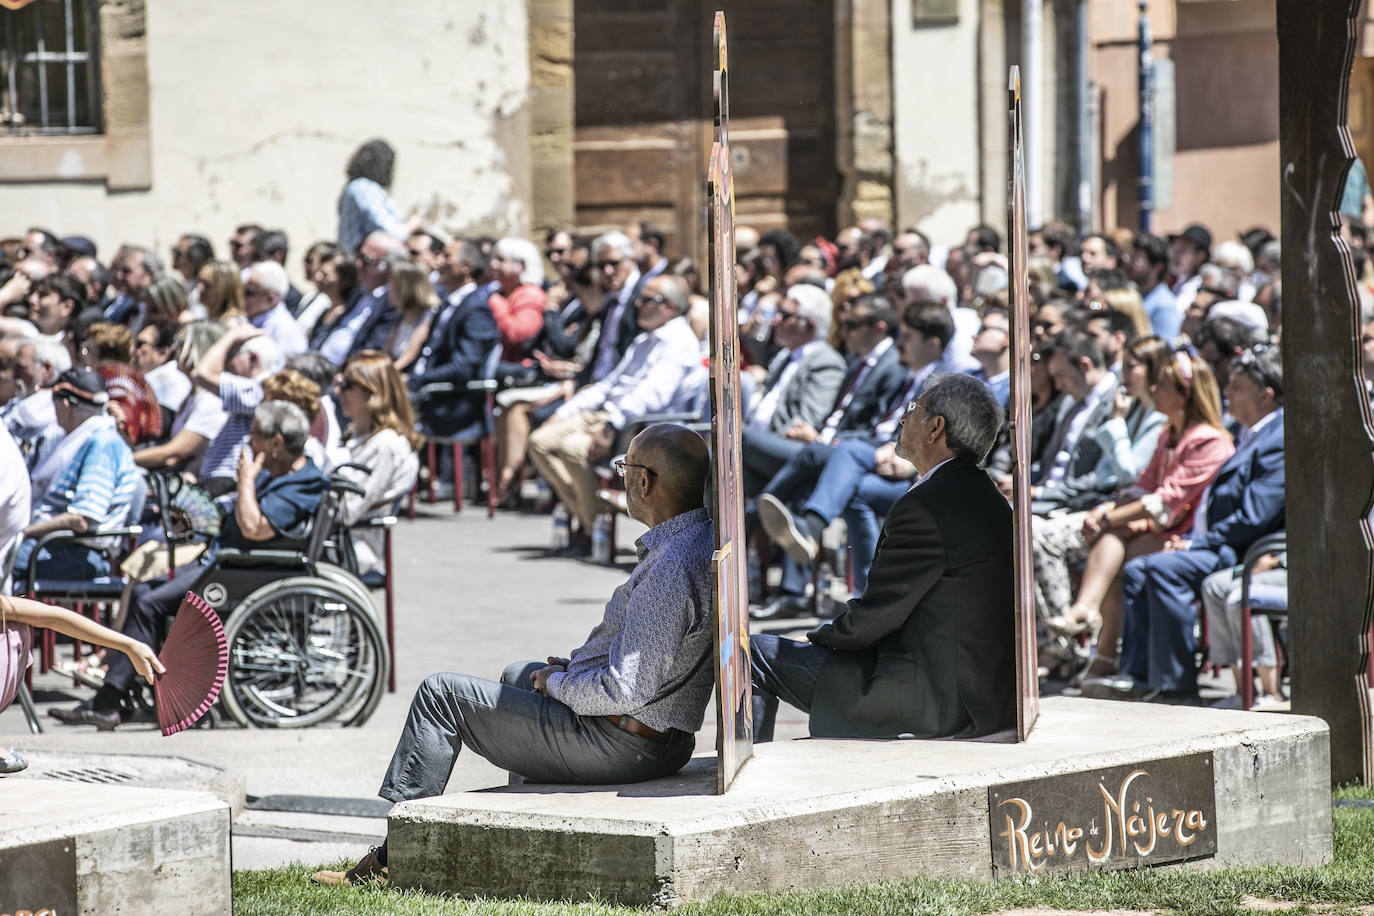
point(928, 283)
point(370, 317)
point(804, 377)
point(613, 256)
point(265, 306)
point(134, 270)
point(233, 368)
point(31, 418)
point(1235, 259)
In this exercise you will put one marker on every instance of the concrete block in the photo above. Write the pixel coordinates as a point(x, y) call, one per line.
point(135, 849)
point(811, 813)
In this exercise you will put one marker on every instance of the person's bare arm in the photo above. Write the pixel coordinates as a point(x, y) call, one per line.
point(211, 366)
point(69, 623)
point(172, 452)
point(66, 521)
point(247, 512)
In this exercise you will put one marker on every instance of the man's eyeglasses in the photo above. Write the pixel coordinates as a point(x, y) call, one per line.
point(652, 298)
point(367, 261)
point(620, 464)
point(788, 316)
point(251, 290)
point(910, 408)
point(853, 324)
point(608, 265)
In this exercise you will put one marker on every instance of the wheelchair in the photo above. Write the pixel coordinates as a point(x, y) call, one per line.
point(305, 639)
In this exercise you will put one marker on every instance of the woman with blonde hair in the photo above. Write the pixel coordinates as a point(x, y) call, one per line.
point(410, 292)
point(383, 438)
point(1127, 301)
point(1192, 447)
point(849, 285)
point(219, 289)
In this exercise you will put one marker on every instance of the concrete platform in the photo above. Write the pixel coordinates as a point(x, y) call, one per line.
point(74, 847)
point(810, 813)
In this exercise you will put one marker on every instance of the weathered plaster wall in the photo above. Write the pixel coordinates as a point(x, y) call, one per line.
point(935, 97)
point(256, 106)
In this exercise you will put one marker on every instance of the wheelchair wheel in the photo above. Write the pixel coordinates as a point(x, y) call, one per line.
point(302, 651)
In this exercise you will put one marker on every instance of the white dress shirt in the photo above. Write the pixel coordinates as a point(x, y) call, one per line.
point(655, 375)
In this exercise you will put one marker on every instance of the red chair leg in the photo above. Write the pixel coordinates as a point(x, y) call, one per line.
point(431, 460)
point(457, 477)
point(390, 611)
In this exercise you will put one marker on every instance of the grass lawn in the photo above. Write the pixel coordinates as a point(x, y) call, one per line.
point(1343, 886)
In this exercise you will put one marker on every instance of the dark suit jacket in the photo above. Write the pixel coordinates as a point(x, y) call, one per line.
point(929, 647)
point(458, 346)
point(293, 300)
point(1246, 500)
point(1078, 488)
point(629, 324)
point(376, 330)
point(872, 398)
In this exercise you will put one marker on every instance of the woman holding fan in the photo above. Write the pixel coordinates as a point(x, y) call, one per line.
point(17, 615)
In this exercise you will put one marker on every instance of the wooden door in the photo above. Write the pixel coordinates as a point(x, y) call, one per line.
point(643, 119)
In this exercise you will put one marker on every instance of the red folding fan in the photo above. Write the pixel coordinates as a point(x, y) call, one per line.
point(196, 656)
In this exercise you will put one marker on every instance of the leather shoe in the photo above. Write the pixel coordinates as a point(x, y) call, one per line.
point(103, 720)
point(781, 608)
point(367, 871)
point(782, 526)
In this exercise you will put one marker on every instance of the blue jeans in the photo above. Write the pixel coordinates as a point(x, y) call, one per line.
point(782, 669)
point(60, 560)
point(1157, 644)
point(864, 517)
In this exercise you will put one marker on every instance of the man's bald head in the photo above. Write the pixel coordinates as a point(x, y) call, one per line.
point(680, 462)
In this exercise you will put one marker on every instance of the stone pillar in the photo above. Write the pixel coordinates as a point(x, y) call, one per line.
point(124, 93)
point(863, 110)
point(551, 114)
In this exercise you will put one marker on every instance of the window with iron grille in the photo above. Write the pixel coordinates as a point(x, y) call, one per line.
point(49, 68)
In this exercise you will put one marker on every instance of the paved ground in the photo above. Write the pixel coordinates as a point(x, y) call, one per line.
point(473, 595)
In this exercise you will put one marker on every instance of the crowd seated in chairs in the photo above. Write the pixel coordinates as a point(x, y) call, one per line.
point(472, 357)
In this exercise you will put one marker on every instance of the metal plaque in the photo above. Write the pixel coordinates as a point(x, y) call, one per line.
point(39, 878)
point(1120, 817)
point(1027, 664)
point(734, 728)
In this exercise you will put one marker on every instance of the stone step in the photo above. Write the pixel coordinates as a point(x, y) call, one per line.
point(813, 813)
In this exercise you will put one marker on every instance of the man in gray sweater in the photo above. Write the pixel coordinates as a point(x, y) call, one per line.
point(626, 705)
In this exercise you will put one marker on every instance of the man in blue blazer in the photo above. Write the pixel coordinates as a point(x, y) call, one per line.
point(460, 339)
point(1244, 502)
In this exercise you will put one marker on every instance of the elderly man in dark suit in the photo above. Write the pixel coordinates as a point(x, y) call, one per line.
point(928, 649)
point(462, 335)
point(1244, 502)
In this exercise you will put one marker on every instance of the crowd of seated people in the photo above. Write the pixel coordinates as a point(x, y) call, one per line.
point(1156, 393)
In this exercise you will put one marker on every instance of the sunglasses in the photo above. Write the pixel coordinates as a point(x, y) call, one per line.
point(251, 290)
point(853, 324)
point(654, 299)
point(608, 265)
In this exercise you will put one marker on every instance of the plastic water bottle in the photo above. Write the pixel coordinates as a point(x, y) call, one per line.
point(561, 534)
point(601, 539)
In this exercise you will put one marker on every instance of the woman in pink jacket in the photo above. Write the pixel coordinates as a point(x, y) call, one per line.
point(1192, 448)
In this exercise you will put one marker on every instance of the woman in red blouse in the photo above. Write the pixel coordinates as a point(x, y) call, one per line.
point(1192, 448)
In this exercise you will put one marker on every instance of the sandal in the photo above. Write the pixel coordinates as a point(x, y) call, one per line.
point(12, 762)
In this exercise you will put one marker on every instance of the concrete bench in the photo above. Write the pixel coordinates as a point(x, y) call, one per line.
point(812, 813)
point(72, 847)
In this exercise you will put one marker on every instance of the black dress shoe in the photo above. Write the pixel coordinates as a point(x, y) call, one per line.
point(83, 714)
point(781, 608)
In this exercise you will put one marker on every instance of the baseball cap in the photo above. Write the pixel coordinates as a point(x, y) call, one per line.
point(1198, 235)
point(81, 384)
